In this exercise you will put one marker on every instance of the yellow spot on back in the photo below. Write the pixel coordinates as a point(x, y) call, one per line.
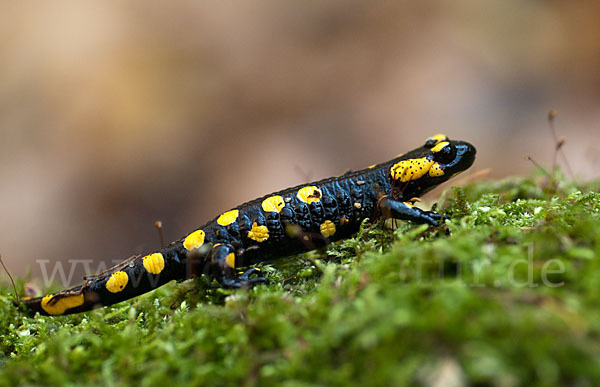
point(408, 204)
point(411, 169)
point(154, 263)
point(273, 204)
point(230, 260)
point(358, 205)
point(309, 194)
point(227, 218)
point(327, 228)
point(55, 305)
point(440, 146)
point(117, 281)
point(194, 240)
point(372, 166)
point(343, 220)
point(258, 233)
point(435, 170)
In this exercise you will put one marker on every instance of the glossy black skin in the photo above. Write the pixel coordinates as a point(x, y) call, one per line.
point(295, 229)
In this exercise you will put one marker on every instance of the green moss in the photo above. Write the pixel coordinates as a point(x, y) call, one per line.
point(509, 297)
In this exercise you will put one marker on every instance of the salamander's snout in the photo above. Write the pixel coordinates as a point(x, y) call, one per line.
point(465, 153)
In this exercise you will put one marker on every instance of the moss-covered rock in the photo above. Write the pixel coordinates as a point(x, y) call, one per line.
point(509, 297)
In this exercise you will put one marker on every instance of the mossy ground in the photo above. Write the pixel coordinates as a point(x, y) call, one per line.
point(510, 297)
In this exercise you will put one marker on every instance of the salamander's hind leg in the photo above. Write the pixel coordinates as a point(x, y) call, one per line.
point(224, 259)
point(406, 211)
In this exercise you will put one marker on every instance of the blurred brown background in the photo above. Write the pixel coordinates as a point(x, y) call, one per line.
point(114, 115)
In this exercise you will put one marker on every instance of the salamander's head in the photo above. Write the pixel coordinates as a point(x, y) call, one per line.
point(435, 162)
point(451, 156)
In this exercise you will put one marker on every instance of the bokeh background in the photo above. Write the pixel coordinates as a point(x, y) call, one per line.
point(115, 114)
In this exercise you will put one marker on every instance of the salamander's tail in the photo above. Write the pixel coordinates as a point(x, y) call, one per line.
point(130, 278)
point(64, 302)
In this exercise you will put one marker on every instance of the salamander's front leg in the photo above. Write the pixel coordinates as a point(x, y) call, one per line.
point(224, 259)
point(404, 210)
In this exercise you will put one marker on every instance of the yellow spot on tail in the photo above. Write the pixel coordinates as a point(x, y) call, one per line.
point(273, 204)
point(435, 170)
point(154, 263)
point(327, 228)
point(117, 281)
point(309, 194)
point(440, 146)
point(438, 138)
point(258, 233)
point(55, 305)
point(411, 169)
point(230, 260)
point(227, 218)
point(194, 240)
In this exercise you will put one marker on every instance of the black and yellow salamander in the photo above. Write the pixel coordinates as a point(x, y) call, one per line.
point(280, 224)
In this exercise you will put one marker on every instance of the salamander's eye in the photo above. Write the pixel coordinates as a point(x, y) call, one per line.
point(444, 152)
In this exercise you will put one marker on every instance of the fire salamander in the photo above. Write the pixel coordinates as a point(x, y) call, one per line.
point(280, 224)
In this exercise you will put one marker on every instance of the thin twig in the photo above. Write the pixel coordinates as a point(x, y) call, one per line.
point(158, 225)
point(11, 279)
point(539, 166)
point(558, 144)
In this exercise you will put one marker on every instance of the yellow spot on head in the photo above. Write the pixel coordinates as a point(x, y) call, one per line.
point(438, 138)
point(194, 240)
point(309, 194)
point(154, 263)
point(327, 228)
point(411, 169)
point(273, 204)
point(227, 218)
point(117, 281)
point(258, 233)
point(230, 260)
point(55, 305)
point(440, 146)
point(435, 170)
